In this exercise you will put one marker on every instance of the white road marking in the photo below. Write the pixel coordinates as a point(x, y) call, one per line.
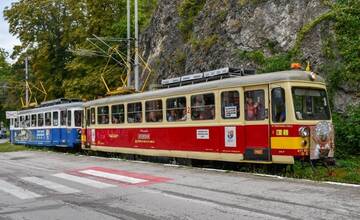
point(51, 185)
point(17, 191)
point(112, 176)
point(85, 181)
point(343, 184)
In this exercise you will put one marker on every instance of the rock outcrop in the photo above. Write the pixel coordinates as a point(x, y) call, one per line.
point(224, 29)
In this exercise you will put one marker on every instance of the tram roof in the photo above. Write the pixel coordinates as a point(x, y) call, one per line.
point(51, 108)
point(282, 76)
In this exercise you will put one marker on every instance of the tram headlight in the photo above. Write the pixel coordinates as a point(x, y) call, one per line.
point(304, 132)
point(323, 130)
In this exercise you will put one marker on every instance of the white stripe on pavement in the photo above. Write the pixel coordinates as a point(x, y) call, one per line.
point(17, 191)
point(51, 185)
point(85, 181)
point(112, 176)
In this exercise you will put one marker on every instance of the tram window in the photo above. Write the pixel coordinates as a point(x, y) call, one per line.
point(27, 120)
point(78, 114)
point(40, 119)
point(16, 122)
point(134, 114)
point(153, 111)
point(88, 117)
point(310, 104)
point(176, 109)
point(63, 118)
point(92, 116)
point(117, 114)
point(22, 121)
point(47, 118)
point(255, 105)
point(278, 110)
point(69, 118)
point(33, 120)
point(103, 115)
point(203, 107)
point(230, 105)
point(55, 118)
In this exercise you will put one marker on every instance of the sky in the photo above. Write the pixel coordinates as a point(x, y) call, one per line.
point(7, 41)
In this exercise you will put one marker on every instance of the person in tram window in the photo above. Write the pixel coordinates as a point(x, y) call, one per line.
point(184, 115)
point(198, 108)
point(104, 119)
point(152, 117)
point(138, 117)
point(131, 118)
point(115, 120)
point(172, 116)
point(251, 109)
point(199, 101)
point(260, 108)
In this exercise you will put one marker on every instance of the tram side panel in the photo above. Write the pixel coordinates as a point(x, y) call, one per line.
point(176, 141)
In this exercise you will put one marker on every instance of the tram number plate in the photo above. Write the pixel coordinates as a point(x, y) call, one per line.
point(258, 151)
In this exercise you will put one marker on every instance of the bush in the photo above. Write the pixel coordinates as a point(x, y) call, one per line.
point(347, 132)
point(188, 10)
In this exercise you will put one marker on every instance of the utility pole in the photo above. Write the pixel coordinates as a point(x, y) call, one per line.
point(26, 82)
point(136, 63)
point(128, 44)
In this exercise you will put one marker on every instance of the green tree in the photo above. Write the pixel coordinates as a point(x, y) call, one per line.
point(51, 30)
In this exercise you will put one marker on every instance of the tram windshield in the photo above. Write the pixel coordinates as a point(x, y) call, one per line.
point(310, 104)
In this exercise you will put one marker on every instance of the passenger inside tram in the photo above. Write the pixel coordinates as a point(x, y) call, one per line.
point(172, 116)
point(251, 109)
point(183, 115)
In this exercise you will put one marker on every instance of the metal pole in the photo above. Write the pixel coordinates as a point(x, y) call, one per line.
point(128, 44)
point(136, 64)
point(26, 82)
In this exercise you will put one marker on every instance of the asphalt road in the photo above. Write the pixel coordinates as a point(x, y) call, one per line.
point(48, 185)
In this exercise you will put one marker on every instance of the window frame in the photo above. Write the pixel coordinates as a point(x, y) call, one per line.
point(238, 112)
point(92, 116)
point(98, 121)
point(46, 120)
point(273, 106)
point(134, 112)
point(76, 117)
point(119, 114)
point(42, 120)
point(27, 121)
point(87, 117)
point(182, 117)
point(55, 123)
point(264, 116)
point(32, 118)
point(158, 118)
point(63, 118)
point(69, 118)
point(205, 111)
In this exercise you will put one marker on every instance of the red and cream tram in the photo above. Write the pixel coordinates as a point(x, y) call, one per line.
point(265, 118)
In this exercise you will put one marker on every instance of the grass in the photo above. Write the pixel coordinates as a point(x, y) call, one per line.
point(7, 147)
point(345, 171)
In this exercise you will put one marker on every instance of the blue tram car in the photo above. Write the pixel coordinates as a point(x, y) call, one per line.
point(55, 123)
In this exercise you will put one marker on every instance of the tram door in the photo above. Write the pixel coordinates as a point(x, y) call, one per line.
point(63, 130)
point(257, 127)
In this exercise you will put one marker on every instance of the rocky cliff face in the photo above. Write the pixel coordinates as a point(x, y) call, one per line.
point(237, 33)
